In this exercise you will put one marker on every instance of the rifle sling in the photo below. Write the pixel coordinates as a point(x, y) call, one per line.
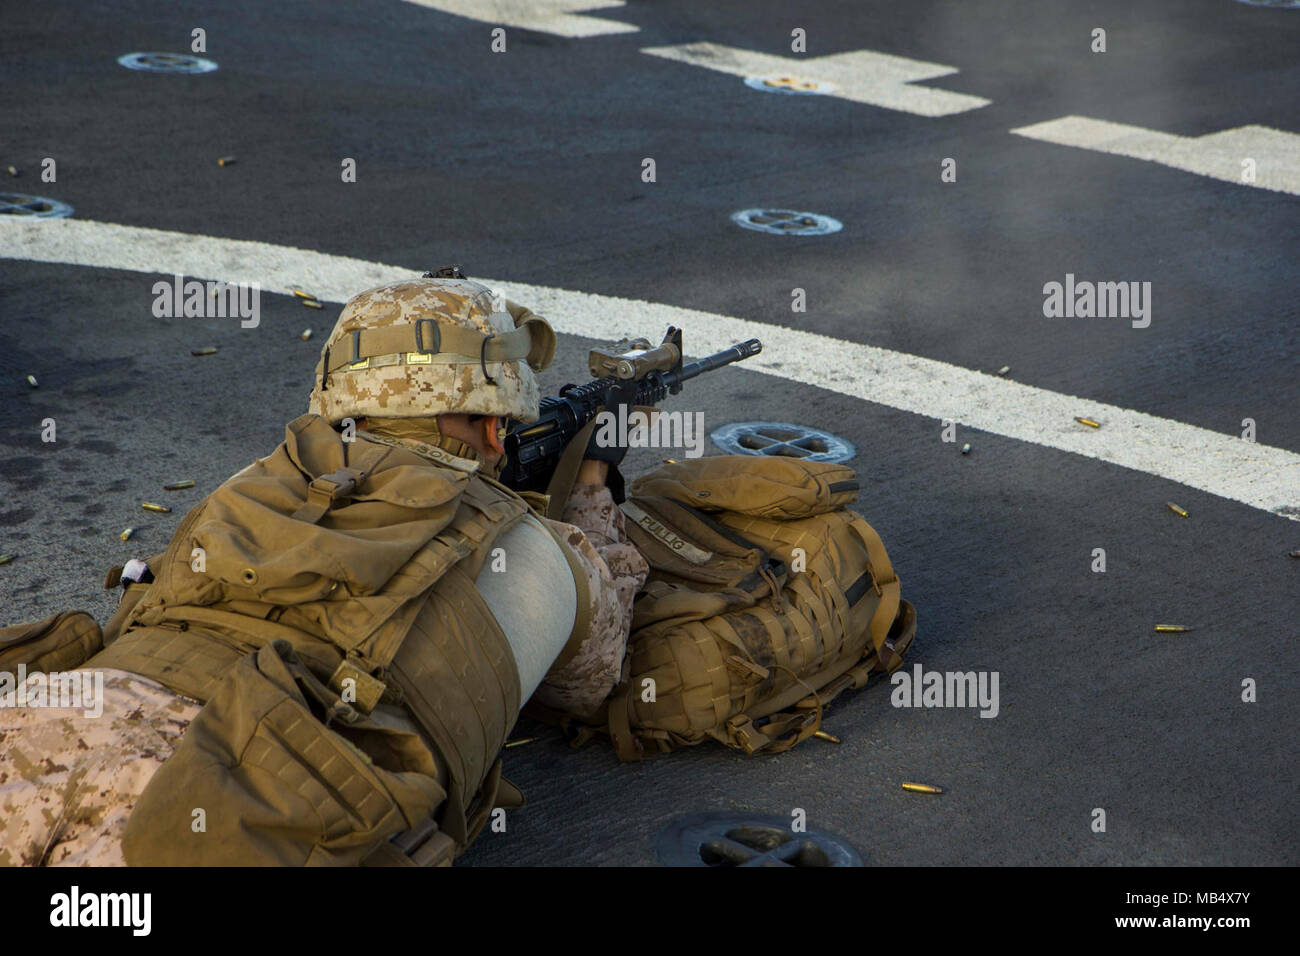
point(566, 471)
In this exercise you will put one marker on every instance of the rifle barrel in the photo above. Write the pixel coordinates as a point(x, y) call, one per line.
point(737, 353)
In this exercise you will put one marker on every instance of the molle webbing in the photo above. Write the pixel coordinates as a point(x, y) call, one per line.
point(192, 661)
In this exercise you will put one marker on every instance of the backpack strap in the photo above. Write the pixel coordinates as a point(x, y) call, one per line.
point(619, 723)
point(887, 586)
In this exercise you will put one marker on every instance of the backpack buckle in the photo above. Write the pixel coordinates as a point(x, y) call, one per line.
point(365, 689)
point(338, 484)
point(324, 491)
point(741, 729)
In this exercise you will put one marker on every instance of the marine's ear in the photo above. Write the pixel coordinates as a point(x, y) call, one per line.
point(492, 431)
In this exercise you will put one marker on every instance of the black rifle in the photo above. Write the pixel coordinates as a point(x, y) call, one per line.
point(534, 449)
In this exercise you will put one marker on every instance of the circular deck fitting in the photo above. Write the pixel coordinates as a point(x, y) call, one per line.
point(782, 438)
point(166, 63)
point(33, 207)
point(786, 222)
point(741, 839)
point(795, 85)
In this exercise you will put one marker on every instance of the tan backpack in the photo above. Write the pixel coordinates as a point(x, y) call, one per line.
point(767, 597)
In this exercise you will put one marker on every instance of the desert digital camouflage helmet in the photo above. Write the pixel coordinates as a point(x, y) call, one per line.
point(429, 346)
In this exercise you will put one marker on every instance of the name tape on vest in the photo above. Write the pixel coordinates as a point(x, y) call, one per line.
point(671, 541)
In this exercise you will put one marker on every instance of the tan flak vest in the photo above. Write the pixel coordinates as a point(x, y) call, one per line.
point(314, 595)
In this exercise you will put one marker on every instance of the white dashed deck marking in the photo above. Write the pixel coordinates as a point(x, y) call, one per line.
point(1275, 153)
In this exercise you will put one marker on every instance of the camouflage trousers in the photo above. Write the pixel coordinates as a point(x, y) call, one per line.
point(68, 781)
point(616, 571)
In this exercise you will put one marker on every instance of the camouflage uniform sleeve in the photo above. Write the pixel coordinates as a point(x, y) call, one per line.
point(616, 571)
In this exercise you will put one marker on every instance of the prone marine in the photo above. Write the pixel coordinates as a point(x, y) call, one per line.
point(325, 663)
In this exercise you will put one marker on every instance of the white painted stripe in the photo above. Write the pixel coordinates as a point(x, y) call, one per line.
point(559, 17)
point(1225, 465)
point(1274, 154)
point(860, 76)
